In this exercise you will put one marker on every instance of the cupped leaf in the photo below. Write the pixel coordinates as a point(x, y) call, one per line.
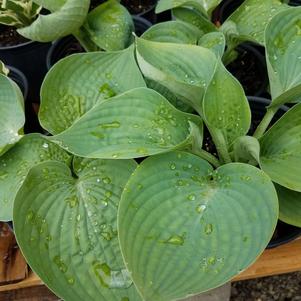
point(64, 21)
point(173, 32)
point(15, 164)
point(283, 48)
point(77, 83)
point(184, 228)
point(12, 116)
point(249, 21)
point(280, 154)
point(195, 18)
point(66, 228)
point(225, 106)
point(111, 130)
point(289, 206)
point(186, 70)
point(247, 150)
point(215, 41)
point(109, 26)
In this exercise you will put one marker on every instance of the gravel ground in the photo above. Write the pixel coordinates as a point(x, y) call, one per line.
point(277, 288)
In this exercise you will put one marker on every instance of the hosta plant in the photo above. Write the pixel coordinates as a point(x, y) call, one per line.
point(18, 13)
point(95, 225)
point(107, 27)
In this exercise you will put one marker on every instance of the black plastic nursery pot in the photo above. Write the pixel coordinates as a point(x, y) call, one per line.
point(224, 10)
point(20, 79)
point(142, 8)
point(250, 69)
point(284, 232)
point(69, 45)
point(30, 58)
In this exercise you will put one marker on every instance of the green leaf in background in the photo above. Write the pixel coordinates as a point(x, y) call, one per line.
point(12, 116)
point(67, 230)
point(249, 21)
point(225, 107)
point(215, 41)
point(109, 26)
point(247, 150)
point(75, 84)
point(195, 18)
point(173, 32)
point(185, 228)
point(111, 130)
point(15, 164)
point(186, 70)
point(51, 5)
point(280, 154)
point(283, 48)
point(289, 206)
point(64, 21)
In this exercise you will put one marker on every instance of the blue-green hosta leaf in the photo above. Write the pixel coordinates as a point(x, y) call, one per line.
point(247, 150)
point(184, 228)
point(137, 123)
point(280, 154)
point(225, 106)
point(289, 206)
point(51, 5)
point(283, 48)
point(215, 41)
point(64, 21)
point(204, 6)
point(75, 84)
point(109, 26)
point(195, 18)
point(171, 97)
point(67, 230)
point(186, 70)
point(12, 116)
point(15, 164)
point(249, 21)
point(173, 32)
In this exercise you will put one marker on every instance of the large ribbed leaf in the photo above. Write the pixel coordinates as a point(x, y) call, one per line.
point(173, 32)
point(186, 70)
point(249, 21)
point(135, 124)
point(12, 116)
point(280, 154)
point(51, 5)
point(283, 47)
point(75, 84)
point(225, 106)
point(109, 26)
point(289, 206)
point(184, 228)
point(215, 41)
point(64, 21)
point(67, 230)
point(15, 164)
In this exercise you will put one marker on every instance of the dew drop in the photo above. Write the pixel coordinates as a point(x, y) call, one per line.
point(208, 229)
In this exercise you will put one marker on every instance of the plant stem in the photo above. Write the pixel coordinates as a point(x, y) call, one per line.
point(221, 145)
point(208, 157)
point(265, 122)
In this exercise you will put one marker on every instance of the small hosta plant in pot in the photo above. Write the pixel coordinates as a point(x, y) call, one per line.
point(95, 225)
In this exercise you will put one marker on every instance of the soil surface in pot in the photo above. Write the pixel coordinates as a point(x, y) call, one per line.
point(136, 7)
point(10, 37)
point(248, 69)
point(285, 287)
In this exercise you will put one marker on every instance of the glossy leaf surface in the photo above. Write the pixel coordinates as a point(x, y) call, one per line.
point(77, 83)
point(111, 130)
point(12, 116)
point(280, 154)
point(185, 228)
point(66, 228)
point(15, 164)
